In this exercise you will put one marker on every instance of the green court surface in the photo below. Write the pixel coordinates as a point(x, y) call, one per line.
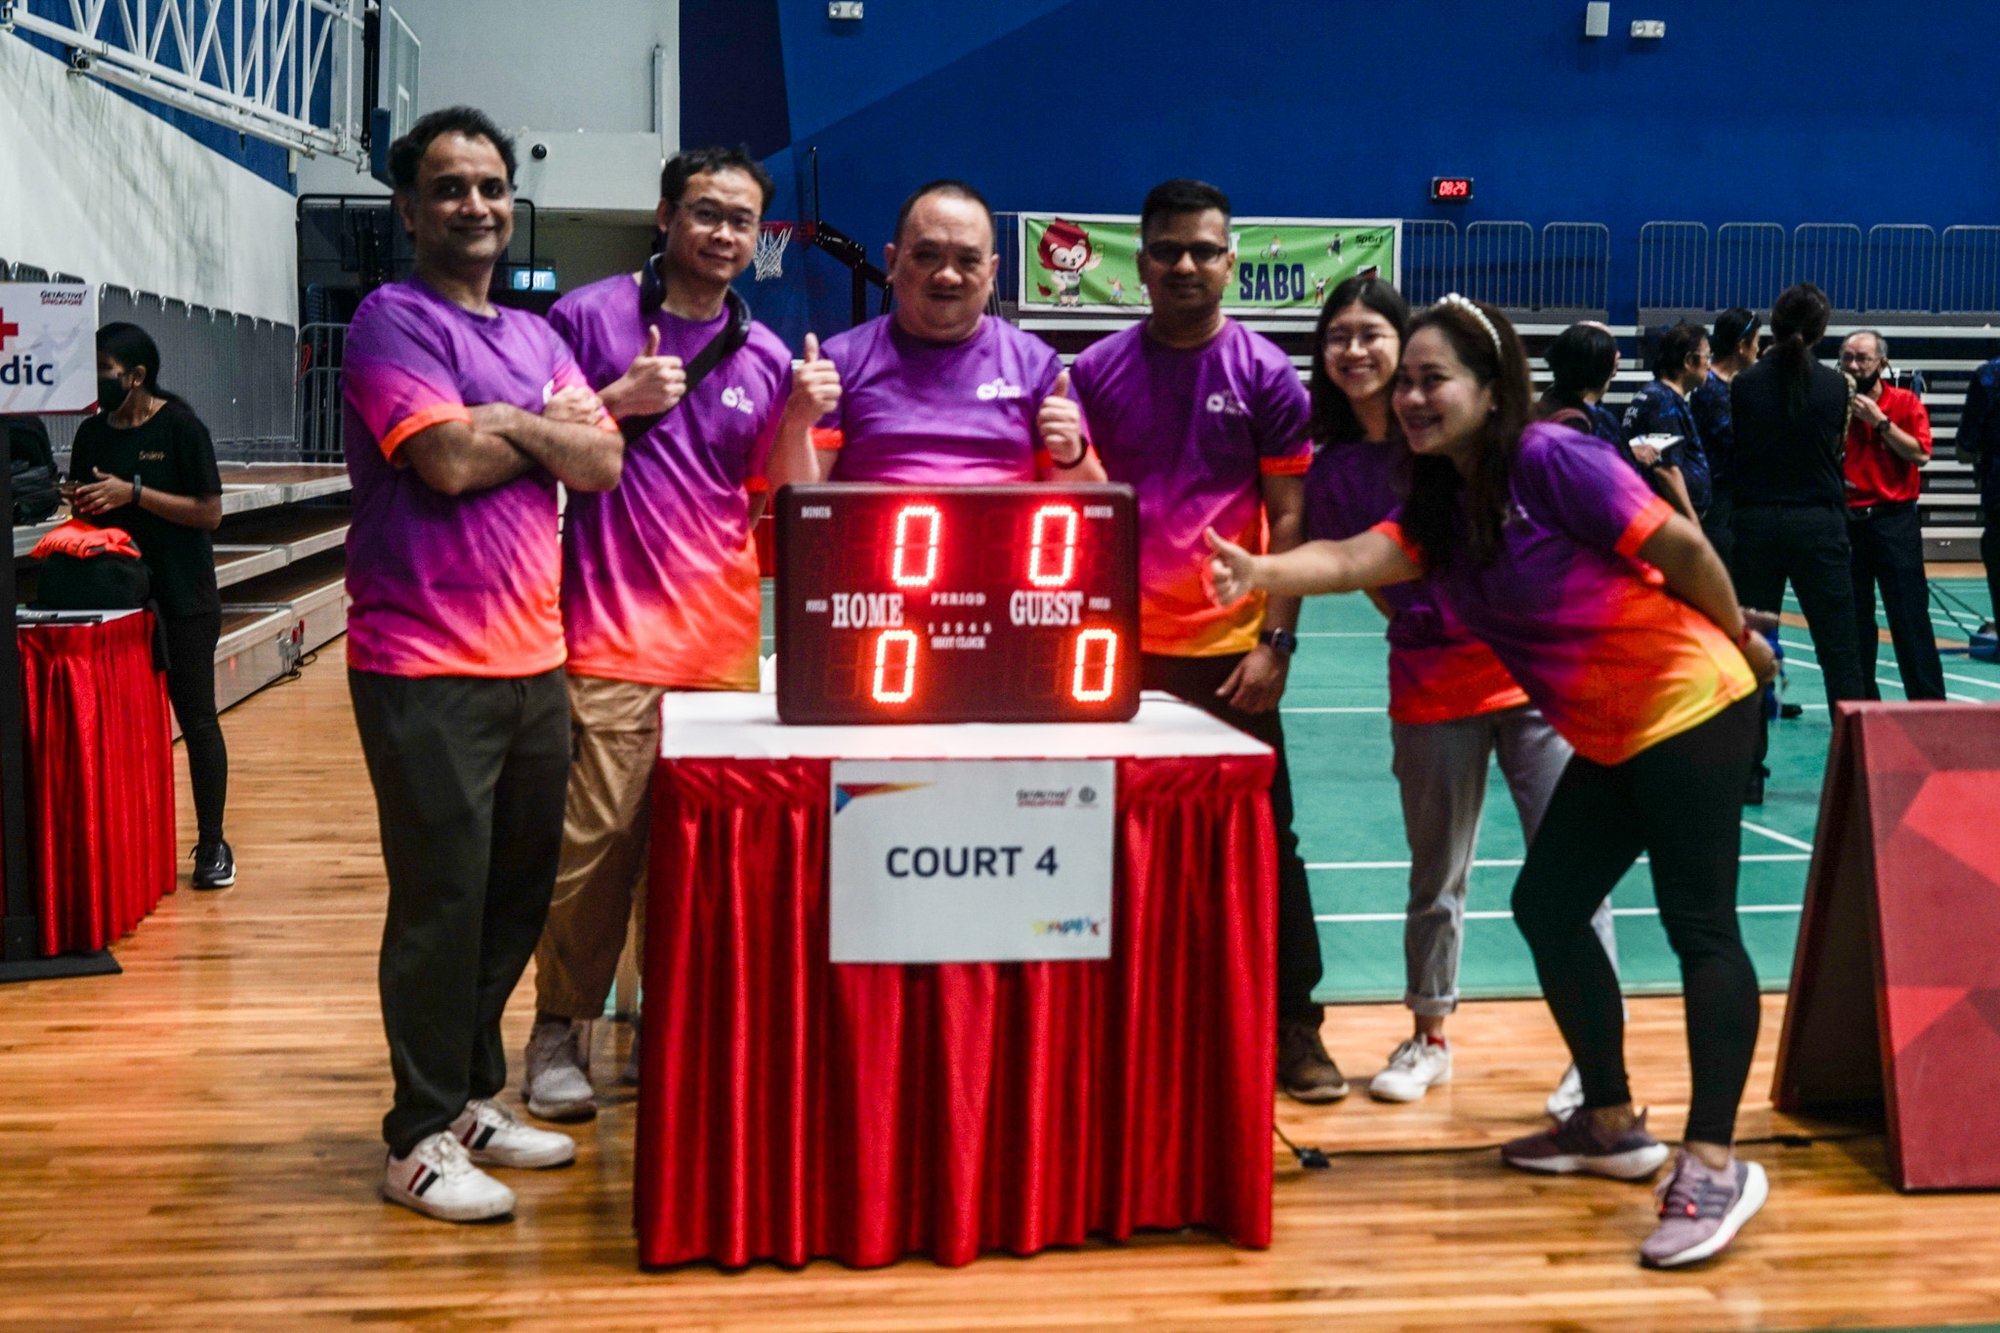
point(1350, 822)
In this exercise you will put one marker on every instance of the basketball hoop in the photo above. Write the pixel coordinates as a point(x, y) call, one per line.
point(769, 260)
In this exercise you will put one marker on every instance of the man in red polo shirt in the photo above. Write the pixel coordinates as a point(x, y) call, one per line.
point(1888, 439)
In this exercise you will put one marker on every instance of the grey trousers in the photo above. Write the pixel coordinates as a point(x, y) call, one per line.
point(469, 778)
point(1441, 769)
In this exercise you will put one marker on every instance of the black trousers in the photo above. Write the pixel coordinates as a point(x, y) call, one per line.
point(1808, 546)
point(1680, 802)
point(1886, 549)
point(470, 777)
point(1196, 679)
point(1989, 551)
point(191, 644)
point(1718, 525)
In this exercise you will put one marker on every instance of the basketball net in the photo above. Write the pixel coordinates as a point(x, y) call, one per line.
point(769, 260)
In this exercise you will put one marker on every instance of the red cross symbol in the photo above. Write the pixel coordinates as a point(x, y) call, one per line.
point(7, 330)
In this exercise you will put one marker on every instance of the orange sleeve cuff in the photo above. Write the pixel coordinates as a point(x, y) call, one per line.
point(1286, 465)
point(1394, 532)
point(605, 421)
point(1643, 525)
point(421, 421)
point(827, 437)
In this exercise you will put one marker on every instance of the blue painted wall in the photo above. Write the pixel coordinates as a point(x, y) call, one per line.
point(1784, 111)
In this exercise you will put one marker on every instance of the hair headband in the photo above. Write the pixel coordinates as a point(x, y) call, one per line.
point(1454, 299)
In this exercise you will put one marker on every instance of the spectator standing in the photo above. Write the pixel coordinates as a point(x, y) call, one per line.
point(1888, 440)
point(1733, 348)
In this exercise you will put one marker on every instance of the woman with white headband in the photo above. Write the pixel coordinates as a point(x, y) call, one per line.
point(1619, 621)
point(1452, 707)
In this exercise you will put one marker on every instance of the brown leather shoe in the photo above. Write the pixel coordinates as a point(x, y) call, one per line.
point(1305, 1072)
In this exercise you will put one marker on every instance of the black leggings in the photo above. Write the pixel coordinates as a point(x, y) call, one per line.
point(1680, 802)
point(191, 644)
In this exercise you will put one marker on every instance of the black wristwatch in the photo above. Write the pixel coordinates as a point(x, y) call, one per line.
point(1283, 640)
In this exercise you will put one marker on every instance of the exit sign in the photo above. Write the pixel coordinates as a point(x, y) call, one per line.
point(1451, 189)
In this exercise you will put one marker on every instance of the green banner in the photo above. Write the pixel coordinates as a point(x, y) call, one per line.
point(1090, 262)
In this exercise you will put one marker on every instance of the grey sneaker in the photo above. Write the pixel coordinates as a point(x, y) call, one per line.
point(1702, 1209)
point(1577, 1144)
point(556, 1085)
point(1306, 1073)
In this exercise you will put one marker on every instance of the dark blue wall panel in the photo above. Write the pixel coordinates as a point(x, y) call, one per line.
point(1786, 111)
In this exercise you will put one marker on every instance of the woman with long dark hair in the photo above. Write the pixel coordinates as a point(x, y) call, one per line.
point(1452, 706)
point(1789, 413)
point(146, 464)
point(1618, 619)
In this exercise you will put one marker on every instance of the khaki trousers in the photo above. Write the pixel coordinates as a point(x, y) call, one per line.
point(614, 743)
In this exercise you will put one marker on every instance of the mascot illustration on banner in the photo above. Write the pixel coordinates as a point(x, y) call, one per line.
point(1067, 254)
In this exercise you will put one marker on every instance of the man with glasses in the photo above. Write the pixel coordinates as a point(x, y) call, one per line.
point(660, 589)
point(938, 391)
point(1888, 439)
point(1680, 364)
point(1208, 422)
point(461, 419)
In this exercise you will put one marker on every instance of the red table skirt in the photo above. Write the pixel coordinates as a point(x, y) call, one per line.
point(792, 1109)
point(98, 757)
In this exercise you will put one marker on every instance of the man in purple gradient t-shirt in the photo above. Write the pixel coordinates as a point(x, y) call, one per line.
point(937, 391)
point(659, 587)
point(1207, 421)
point(460, 421)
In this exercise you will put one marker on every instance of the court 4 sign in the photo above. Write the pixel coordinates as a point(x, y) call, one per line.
point(1089, 261)
point(48, 348)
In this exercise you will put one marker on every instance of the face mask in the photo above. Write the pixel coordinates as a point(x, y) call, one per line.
point(1866, 383)
point(111, 392)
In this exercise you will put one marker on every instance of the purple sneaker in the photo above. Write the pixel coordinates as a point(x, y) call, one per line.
point(1577, 1144)
point(1702, 1209)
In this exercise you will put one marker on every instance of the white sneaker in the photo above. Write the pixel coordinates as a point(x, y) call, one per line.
point(438, 1180)
point(1414, 1068)
point(556, 1085)
point(1567, 1097)
point(493, 1137)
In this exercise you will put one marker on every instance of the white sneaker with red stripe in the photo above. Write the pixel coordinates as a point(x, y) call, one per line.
point(438, 1180)
point(493, 1137)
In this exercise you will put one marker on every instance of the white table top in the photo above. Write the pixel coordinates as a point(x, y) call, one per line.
point(719, 724)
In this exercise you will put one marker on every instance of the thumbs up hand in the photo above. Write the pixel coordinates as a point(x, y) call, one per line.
point(650, 385)
point(815, 386)
point(1059, 423)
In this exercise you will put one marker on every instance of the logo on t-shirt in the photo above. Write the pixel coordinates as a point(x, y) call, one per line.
point(998, 387)
point(739, 398)
point(1228, 404)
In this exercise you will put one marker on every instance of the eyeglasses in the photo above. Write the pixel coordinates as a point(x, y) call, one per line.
point(1168, 253)
point(707, 216)
point(1856, 359)
point(1339, 340)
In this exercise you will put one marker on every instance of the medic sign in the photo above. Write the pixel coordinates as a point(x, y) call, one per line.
point(48, 348)
point(957, 604)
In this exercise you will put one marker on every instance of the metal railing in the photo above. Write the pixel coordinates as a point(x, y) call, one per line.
point(1828, 255)
point(1969, 271)
point(1575, 269)
point(321, 350)
point(234, 370)
point(1498, 266)
point(1673, 269)
point(1749, 267)
point(1430, 259)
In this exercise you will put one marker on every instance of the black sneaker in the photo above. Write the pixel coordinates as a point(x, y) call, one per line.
point(214, 865)
point(1753, 793)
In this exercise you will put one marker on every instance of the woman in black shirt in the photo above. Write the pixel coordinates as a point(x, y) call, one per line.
point(146, 464)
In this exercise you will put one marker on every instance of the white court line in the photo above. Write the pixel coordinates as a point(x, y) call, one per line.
point(1785, 838)
point(1882, 682)
point(1382, 711)
point(1394, 918)
point(1761, 857)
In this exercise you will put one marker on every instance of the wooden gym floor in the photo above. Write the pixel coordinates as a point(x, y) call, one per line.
point(193, 1144)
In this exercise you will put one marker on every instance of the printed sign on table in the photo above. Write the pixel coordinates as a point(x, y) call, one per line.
point(1089, 261)
point(48, 347)
point(966, 861)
